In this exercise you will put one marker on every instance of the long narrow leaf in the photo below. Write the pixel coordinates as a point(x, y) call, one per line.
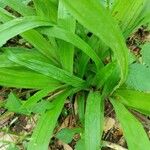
point(93, 121)
point(93, 16)
point(17, 26)
point(48, 70)
point(132, 128)
point(23, 78)
point(75, 40)
point(139, 101)
point(46, 9)
point(67, 22)
point(45, 126)
point(127, 14)
point(41, 44)
point(19, 6)
point(31, 102)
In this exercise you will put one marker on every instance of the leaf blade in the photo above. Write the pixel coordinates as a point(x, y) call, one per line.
point(93, 121)
point(43, 131)
point(95, 18)
point(132, 128)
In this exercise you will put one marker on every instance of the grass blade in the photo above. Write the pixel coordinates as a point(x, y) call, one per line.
point(20, 7)
point(41, 44)
point(93, 121)
point(23, 78)
point(94, 17)
point(32, 101)
point(139, 101)
point(45, 126)
point(75, 40)
point(132, 128)
point(17, 26)
point(48, 70)
point(67, 22)
point(46, 9)
point(127, 14)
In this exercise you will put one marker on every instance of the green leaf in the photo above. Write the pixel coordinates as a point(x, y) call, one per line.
point(137, 100)
point(41, 44)
point(138, 77)
point(93, 121)
point(81, 107)
point(12, 147)
point(132, 128)
point(80, 145)
point(126, 13)
point(46, 9)
point(145, 54)
point(5, 62)
point(32, 101)
point(48, 70)
point(94, 17)
point(20, 7)
point(4, 15)
point(66, 134)
point(42, 106)
point(46, 124)
point(67, 22)
point(13, 102)
point(103, 74)
point(19, 25)
point(111, 81)
point(23, 78)
point(75, 40)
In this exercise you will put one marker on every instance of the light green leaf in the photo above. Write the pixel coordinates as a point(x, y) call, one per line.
point(13, 103)
point(132, 128)
point(23, 78)
point(103, 74)
point(32, 101)
point(67, 22)
point(139, 77)
point(4, 15)
point(80, 144)
point(41, 44)
point(46, 124)
point(146, 54)
point(66, 134)
point(48, 70)
point(93, 121)
point(19, 25)
point(94, 17)
point(20, 7)
point(126, 12)
point(5, 62)
point(75, 40)
point(139, 101)
point(46, 9)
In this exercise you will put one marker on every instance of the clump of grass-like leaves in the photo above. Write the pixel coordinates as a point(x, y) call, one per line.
point(79, 50)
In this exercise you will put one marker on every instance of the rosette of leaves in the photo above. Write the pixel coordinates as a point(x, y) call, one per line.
point(78, 50)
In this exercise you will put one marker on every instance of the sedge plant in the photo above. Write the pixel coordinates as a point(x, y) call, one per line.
point(78, 52)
